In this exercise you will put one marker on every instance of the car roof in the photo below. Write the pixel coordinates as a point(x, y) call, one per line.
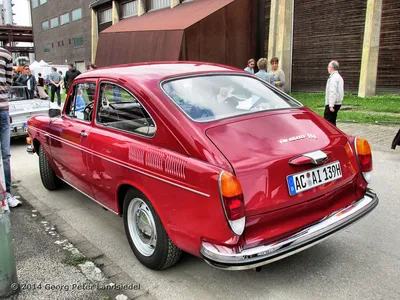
point(156, 71)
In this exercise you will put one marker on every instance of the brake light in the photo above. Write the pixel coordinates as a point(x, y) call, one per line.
point(10, 120)
point(364, 155)
point(233, 202)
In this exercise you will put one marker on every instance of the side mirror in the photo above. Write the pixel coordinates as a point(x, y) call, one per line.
point(54, 112)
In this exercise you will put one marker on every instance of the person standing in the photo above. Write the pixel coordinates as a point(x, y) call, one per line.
point(40, 87)
point(6, 65)
point(250, 66)
point(55, 82)
point(277, 77)
point(334, 93)
point(70, 75)
point(28, 80)
point(262, 66)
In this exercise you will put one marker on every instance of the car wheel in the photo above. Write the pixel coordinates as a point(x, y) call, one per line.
point(146, 234)
point(49, 179)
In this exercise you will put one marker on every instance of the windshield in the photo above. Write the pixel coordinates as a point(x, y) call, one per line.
point(16, 93)
point(214, 97)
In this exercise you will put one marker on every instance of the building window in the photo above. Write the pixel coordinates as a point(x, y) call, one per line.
point(43, 2)
point(47, 47)
point(78, 42)
point(129, 9)
point(35, 3)
point(77, 14)
point(157, 4)
point(45, 25)
point(54, 22)
point(64, 19)
point(105, 16)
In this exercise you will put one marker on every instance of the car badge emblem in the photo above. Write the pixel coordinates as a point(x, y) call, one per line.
point(298, 137)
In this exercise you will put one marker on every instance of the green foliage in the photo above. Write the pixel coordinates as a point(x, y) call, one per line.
point(380, 109)
point(74, 260)
point(389, 103)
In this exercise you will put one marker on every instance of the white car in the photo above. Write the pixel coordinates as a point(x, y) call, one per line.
point(22, 108)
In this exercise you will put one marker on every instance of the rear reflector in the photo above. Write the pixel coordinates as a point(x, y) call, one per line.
point(233, 202)
point(364, 155)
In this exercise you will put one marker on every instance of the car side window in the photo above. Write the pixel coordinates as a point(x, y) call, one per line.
point(117, 108)
point(82, 102)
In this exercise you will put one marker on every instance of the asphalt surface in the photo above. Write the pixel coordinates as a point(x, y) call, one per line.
point(41, 270)
point(361, 262)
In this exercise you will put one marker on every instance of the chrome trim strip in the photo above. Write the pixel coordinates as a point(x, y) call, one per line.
point(122, 165)
point(314, 234)
point(102, 205)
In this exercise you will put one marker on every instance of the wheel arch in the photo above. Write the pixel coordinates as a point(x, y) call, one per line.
point(36, 145)
point(123, 189)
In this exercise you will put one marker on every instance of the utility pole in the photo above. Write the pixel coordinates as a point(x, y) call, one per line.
point(8, 271)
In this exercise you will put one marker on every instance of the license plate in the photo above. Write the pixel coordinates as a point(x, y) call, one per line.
point(309, 179)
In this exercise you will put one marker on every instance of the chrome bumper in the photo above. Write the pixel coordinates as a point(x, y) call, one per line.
point(314, 234)
point(30, 149)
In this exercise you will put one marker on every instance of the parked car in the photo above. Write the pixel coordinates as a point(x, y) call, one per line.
point(22, 108)
point(205, 159)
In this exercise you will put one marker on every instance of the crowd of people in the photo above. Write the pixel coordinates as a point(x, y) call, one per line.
point(43, 87)
point(334, 91)
point(275, 76)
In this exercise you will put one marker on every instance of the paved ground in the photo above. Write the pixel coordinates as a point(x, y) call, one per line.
point(41, 269)
point(362, 262)
point(380, 137)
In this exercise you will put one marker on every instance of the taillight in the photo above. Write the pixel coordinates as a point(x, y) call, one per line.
point(232, 200)
point(364, 155)
point(10, 120)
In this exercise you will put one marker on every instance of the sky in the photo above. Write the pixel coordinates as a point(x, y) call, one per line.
point(21, 12)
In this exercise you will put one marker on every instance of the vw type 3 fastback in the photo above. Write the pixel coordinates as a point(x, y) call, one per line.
point(205, 159)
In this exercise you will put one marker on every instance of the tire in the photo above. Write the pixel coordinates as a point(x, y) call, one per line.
point(147, 236)
point(49, 179)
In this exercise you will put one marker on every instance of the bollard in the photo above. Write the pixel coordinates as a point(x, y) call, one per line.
point(8, 271)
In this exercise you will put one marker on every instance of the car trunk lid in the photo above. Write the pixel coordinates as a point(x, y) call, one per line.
point(260, 149)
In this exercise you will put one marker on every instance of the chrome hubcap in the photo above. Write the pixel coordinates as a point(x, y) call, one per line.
point(142, 228)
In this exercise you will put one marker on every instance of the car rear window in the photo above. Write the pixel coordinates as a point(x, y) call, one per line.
point(214, 97)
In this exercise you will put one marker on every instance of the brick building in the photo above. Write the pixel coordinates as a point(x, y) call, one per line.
point(62, 31)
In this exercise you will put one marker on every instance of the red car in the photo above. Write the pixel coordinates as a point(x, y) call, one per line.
point(205, 159)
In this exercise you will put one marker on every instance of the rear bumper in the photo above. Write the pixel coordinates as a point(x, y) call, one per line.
point(18, 129)
point(225, 258)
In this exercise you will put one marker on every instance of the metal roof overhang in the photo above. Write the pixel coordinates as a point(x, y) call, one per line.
point(154, 36)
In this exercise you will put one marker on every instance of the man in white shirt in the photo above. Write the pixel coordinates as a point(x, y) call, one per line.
point(334, 93)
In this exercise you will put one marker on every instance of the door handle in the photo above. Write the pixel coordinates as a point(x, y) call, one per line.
point(83, 133)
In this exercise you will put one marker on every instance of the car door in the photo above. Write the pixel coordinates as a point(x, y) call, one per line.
point(120, 119)
point(70, 132)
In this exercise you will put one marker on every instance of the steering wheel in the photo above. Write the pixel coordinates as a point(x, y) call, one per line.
point(87, 111)
point(105, 103)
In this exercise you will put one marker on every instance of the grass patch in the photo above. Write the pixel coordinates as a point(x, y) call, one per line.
point(74, 260)
point(363, 117)
point(77, 259)
point(389, 103)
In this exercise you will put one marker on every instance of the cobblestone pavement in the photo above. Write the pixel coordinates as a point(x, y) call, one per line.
point(380, 137)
